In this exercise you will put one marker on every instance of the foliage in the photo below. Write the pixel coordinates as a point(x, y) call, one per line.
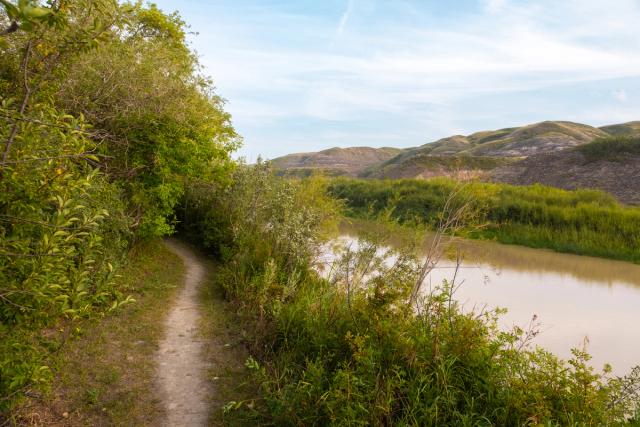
point(62, 230)
point(163, 126)
point(104, 116)
point(346, 347)
point(614, 148)
point(219, 218)
point(584, 222)
point(104, 374)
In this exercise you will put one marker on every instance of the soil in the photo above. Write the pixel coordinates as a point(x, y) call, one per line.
point(182, 370)
point(570, 170)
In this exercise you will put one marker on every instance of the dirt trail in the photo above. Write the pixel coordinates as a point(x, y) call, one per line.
point(185, 391)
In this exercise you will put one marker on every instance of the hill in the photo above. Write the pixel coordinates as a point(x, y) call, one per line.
point(335, 161)
point(611, 164)
point(516, 142)
point(422, 165)
point(623, 129)
point(546, 152)
point(471, 154)
point(477, 153)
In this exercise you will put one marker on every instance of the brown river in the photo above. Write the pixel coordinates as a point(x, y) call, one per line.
point(574, 297)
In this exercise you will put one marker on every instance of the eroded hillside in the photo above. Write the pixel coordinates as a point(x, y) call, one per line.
point(545, 152)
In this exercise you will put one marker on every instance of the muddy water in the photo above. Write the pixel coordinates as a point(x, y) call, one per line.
point(574, 297)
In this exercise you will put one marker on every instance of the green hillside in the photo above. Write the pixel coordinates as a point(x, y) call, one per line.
point(623, 129)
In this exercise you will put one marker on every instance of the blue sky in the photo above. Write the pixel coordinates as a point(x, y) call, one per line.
point(304, 75)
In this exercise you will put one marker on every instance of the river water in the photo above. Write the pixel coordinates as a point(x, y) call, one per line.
point(574, 297)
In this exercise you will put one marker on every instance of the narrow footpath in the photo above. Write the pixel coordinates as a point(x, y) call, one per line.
point(182, 369)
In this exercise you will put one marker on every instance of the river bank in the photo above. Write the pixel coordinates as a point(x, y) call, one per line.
point(573, 297)
point(582, 222)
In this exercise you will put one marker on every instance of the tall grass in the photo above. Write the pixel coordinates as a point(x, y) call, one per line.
point(349, 348)
point(583, 222)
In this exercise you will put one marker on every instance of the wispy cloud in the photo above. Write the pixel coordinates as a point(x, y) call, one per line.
point(412, 69)
point(620, 95)
point(344, 19)
point(494, 6)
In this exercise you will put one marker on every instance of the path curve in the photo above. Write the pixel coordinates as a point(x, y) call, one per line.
point(185, 390)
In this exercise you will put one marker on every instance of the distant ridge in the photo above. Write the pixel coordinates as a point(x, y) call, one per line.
point(624, 129)
point(335, 161)
point(540, 152)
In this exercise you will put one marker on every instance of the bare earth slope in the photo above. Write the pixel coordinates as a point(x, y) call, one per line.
point(477, 153)
point(426, 166)
point(571, 170)
point(472, 154)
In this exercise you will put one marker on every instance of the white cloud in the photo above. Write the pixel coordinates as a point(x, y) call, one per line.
point(345, 17)
point(422, 59)
point(494, 6)
point(620, 95)
point(413, 66)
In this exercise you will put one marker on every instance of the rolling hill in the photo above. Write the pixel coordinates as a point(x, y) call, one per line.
point(544, 152)
point(334, 161)
point(483, 151)
point(624, 129)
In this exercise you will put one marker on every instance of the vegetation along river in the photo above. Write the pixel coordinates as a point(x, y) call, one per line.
point(573, 297)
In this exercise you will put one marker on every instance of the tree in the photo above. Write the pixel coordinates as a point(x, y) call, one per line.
point(104, 118)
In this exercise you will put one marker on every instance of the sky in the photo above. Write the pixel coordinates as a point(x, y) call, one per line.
point(306, 75)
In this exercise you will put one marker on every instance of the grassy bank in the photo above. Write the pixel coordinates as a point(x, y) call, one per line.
point(355, 347)
point(103, 370)
point(582, 222)
point(226, 352)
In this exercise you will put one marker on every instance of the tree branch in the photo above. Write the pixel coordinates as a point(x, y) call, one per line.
point(23, 107)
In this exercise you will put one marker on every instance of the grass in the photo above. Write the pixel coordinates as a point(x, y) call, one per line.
point(354, 350)
point(226, 353)
point(615, 148)
point(583, 222)
point(104, 374)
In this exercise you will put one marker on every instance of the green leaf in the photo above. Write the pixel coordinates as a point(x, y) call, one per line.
point(36, 13)
point(11, 10)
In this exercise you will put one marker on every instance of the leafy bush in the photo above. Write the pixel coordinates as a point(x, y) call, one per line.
point(348, 348)
point(104, 115)
point(143, 89)
point(62, 231)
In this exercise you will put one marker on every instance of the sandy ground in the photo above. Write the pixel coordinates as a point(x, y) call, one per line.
point(185, 391)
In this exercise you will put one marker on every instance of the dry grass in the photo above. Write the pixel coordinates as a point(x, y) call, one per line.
point(105, 374)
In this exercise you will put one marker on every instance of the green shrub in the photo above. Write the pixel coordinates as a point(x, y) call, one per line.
point(348, 348)
point(104, 116)
point(585, 222)
point(614, 148)
point(62, 232)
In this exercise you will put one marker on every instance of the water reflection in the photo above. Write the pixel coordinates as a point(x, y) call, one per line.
point(599, 271)
point(573, 296)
